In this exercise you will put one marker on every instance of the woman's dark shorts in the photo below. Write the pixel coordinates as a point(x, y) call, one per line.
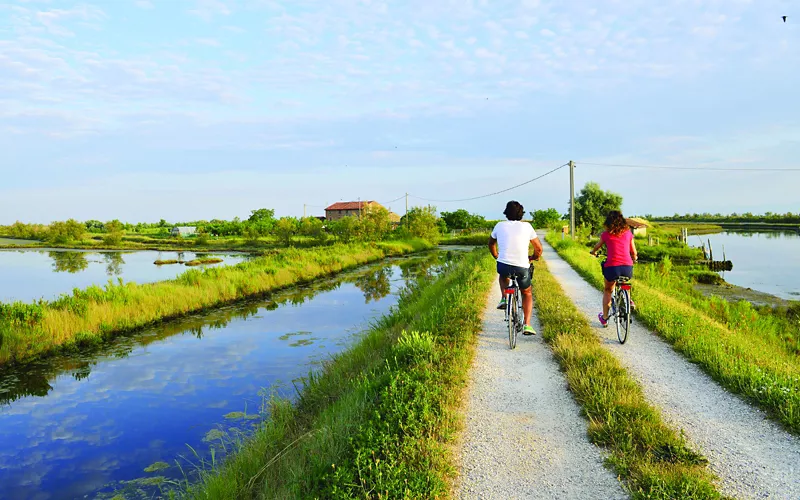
point(523, 274)
point(611, 273)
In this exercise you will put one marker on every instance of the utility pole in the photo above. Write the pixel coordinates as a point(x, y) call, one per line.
point(359, 207)
point(572, 199)
point(406, 210)
point(304, 210)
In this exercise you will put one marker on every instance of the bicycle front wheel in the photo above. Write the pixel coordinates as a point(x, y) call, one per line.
point(513, 318)
point(623, 315)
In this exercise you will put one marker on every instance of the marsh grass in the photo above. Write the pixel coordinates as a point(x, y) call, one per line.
point(652, 459)
point(376, 421)
point(200, 262)
point(467, 239)
point(90, 315)
point(750, 351)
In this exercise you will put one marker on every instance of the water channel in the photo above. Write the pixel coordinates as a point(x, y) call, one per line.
point(767, 261)
point(88, 424)
point(31, 274)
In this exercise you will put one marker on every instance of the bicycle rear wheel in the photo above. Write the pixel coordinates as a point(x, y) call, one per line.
point(513, 318)
point(623, 315)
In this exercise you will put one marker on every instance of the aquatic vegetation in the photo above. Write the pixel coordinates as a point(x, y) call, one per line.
point(90, 315)
point(200, 262)
point(378, 417)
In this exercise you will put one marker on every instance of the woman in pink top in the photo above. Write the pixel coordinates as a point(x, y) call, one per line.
point(621, 250)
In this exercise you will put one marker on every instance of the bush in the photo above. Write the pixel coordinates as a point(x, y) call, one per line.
point(64, 232)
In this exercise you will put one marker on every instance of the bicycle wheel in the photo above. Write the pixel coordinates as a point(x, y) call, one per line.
point(512, 320)
point(623, 315)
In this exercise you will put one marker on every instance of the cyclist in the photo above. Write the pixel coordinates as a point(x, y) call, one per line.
point(513, 236)
point(621, 251)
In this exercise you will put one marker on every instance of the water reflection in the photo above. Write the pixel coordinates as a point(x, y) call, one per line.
point(767, 261)
point(114, 263)
point(68, 262)
point(28, 275)
point(32, 379)
point(89, 423)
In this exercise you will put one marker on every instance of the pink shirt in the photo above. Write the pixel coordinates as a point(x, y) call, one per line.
point(618, 248)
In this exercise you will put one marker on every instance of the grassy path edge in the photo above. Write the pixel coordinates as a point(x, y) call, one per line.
point(379, 420)
point(652, 459)
point(768, 378)
point(94, 314)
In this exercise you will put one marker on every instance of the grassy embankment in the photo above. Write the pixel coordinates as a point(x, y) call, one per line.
point(467, 239)
point(750, 352)
point(378, 420)
point(92, 314)
point(168, 243)
point(652, 459)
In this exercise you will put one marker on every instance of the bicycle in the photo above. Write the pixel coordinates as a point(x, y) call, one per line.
point(621, 306)
point(514, 312)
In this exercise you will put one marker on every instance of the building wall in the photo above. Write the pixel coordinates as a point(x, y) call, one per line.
point(338, 214)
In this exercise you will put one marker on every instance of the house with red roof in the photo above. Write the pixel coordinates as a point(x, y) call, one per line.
point(354, 209)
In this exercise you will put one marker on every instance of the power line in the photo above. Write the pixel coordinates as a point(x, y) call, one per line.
point(496, 192)
point(722, 169)
point(394, 200)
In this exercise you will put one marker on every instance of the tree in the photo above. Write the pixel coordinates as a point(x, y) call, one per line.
point(64, 232)
point(285, 228)
point(346, 229)
point(422, 223)
point(593, 204)
point(461, 219)
point(312, 227)
point(375, 223)
point(545, 218)
point(114, 232)
point(262, 214)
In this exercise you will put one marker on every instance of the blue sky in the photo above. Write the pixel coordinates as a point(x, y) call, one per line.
point(145, 109)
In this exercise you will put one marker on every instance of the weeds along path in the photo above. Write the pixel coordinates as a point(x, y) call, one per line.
point(753, 456)
point(524, 436)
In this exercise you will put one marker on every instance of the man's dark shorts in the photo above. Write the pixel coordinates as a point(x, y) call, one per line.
point(611, 273)
point(523, 274)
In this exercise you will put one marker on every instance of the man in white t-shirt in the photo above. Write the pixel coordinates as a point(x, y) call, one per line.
point(513, 236)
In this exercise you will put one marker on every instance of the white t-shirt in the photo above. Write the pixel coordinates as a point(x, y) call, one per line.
point(513, 238)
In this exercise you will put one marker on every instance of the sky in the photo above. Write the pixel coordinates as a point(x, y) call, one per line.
point(187, 110)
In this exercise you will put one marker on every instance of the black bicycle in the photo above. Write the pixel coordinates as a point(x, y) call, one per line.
point(621, 307)
point(514, 314)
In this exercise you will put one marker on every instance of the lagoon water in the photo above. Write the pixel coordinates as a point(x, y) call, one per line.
point(765, 261)
point(29, 274)
point(88, 424)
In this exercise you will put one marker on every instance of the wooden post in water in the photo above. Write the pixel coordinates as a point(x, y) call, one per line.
point(710, 251)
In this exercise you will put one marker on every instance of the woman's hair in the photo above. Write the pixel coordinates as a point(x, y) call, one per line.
point(615, 223)
point(514, 211)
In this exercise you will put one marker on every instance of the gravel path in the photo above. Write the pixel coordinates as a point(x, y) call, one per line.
point(524, 436)
point(753, 456)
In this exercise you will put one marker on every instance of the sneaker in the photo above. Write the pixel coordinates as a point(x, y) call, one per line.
point(603, 321)
point(633, 305)
point(502, 304)
point(528, 330)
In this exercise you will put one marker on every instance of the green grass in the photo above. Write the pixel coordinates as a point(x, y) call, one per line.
point(378, 420)
point(748, 351)
point(467, 239)
point(200, 262)
point(90, 315)
point(652, 459)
